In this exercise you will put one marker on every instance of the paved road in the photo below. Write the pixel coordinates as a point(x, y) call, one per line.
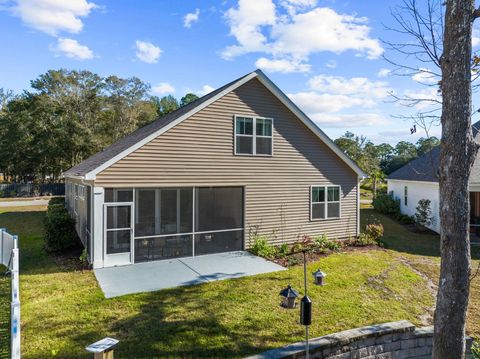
point(30, 202)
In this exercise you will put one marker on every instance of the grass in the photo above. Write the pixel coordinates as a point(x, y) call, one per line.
point(63, 309)
point(422, 251)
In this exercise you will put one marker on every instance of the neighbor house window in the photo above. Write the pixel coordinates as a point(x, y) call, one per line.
point(81, 192)
point(405, 197)
point(325, 202)
point(253, 136)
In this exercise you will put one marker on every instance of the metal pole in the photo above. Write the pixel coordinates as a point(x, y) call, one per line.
point(307, 350)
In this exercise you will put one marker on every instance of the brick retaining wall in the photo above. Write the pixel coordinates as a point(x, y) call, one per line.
point(396, 340)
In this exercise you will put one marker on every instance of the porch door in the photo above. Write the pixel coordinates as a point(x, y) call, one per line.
point(118, 233)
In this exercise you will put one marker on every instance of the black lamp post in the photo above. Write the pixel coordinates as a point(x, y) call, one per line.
point(289, 295)
point(306, 308)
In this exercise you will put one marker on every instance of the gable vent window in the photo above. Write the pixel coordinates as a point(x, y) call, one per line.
point(253, 136)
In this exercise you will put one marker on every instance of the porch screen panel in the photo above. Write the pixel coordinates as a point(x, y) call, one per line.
point(219, 219)
point(118, 229)
point(164, 247)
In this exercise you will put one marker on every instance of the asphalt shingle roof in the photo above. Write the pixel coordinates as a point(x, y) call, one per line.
point(425, 168)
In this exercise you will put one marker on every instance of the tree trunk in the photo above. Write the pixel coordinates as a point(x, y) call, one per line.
point(457, 155)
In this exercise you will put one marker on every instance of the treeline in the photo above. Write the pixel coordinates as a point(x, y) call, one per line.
point(380, 160)
point(69, 115)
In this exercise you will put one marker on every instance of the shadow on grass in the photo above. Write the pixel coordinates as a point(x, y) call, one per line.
point(399, 238)
point(162, 327)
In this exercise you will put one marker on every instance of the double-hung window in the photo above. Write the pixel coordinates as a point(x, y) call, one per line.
point(405, 196)
point(324, 202)
point(253, 136)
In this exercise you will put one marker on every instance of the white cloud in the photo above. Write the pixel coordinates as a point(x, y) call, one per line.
point(72, 49)
point(331, 64)
point(350, 120)
point(281, 65)
point(313, 103)
point(384, 72)
point(328, 96)
point(475, 36)
point(258, 26)
point(422, 98)
point(360, 87)
point(191, 18)
point(163, 88)
point(53, 16)
point(245, 25)
point(204, 90)
point(425, 76)
point(147, 52)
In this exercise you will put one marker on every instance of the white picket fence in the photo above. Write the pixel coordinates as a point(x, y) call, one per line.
point(9, 258)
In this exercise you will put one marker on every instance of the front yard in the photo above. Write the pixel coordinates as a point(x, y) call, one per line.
point(63, 309)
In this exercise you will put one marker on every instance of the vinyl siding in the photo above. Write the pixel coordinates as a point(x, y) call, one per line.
point(199, 152)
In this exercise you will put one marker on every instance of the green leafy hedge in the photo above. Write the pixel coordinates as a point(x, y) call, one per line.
point(60, 231)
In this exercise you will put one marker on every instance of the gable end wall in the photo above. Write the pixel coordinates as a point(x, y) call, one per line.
point(199, 152)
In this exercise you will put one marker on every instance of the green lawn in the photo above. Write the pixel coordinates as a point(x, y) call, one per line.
point(63, 309)
point(422, 252)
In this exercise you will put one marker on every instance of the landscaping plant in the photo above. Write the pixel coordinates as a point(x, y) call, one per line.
point(385, 203)
point(423, 216)
point(60, 231)
point(262, 248)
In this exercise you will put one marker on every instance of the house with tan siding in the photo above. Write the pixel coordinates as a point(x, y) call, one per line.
point(241, 161)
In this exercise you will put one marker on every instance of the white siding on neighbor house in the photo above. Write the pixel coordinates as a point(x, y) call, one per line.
point(416, 191)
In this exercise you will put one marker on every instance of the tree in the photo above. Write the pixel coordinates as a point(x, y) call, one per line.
point(165, 105)
point(457, 155)
point(424, 145)
point(189, 97)
point(440, 36)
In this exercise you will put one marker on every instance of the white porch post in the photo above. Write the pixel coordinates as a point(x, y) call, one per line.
point(97, 224)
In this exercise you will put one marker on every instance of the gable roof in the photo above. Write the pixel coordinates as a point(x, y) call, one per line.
point(425, 168)
point(104, 159)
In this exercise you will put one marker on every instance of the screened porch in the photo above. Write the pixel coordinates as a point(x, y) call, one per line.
point(146, 224)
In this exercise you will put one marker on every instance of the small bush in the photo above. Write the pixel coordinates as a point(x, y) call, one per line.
point(57, 200)
point(60, 231)
point(386, 204)
point(283, 250)
point(405, 219)
point(374, 231)
point(364, 240)
point(262, 248)
point(323, 243)
point(305, 244)
point(423, 214)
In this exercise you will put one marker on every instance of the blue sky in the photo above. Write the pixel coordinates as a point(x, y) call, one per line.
point(326, 55)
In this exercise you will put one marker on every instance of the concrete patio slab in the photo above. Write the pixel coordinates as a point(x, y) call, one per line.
point(152, 276)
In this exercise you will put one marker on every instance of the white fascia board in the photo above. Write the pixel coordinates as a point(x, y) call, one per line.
point(411, 181)
point(309, 123)
point(92, 174)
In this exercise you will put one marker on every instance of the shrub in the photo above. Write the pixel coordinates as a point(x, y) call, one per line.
point(374, 231)
point(405, 219)
point(386, 204)
point(283, 250)
point(322, 242)
point(476, 350)
point(57, 200)
point(262, 248)
point(423, 215)
point(60, 231)
point(364, 240)
point(304, 244)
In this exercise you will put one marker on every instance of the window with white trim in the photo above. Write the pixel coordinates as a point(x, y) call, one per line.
point(253, 136)
point(324, 202)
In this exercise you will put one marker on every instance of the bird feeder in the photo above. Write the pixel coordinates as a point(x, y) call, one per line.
point(289, 296)
point(319, 277)
point(103, 349)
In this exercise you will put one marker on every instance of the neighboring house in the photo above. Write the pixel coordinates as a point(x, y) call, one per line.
point(240, 161)
point(418, 180)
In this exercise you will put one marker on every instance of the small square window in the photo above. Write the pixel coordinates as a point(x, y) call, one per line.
point(325, 202)
point(253, 136)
